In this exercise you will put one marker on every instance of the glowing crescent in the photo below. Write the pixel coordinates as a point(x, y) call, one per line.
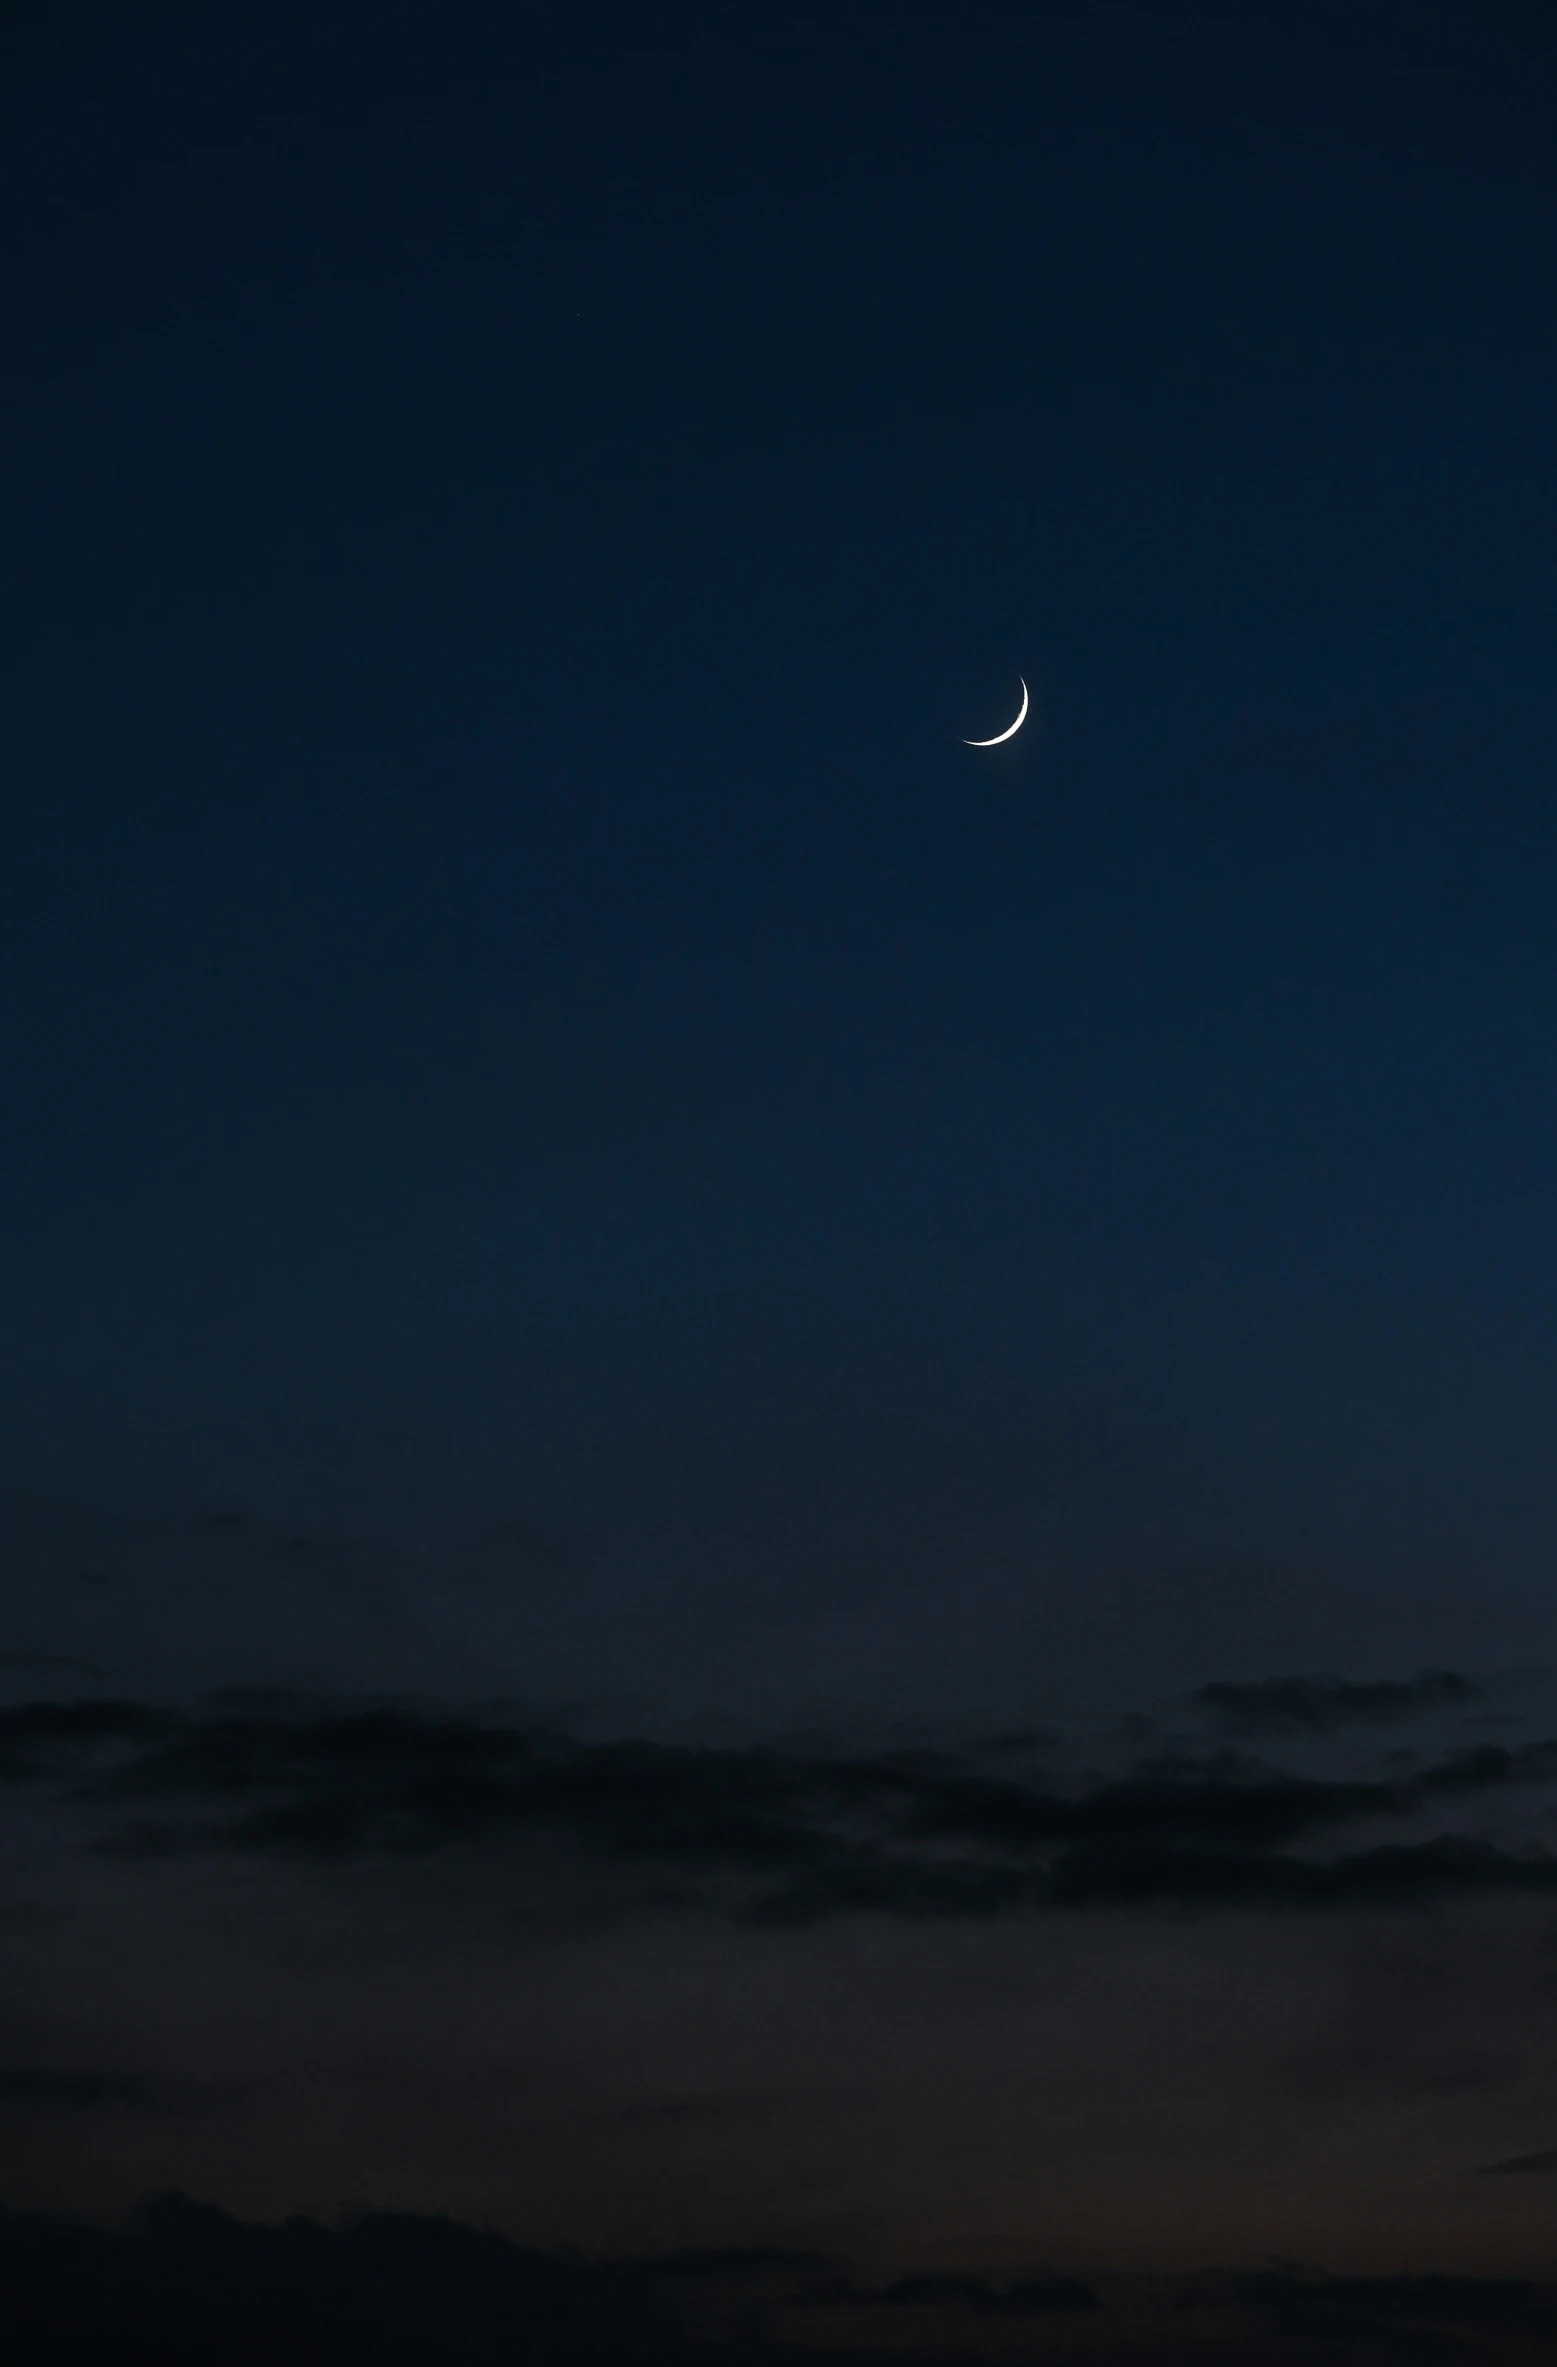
point(1004, 735)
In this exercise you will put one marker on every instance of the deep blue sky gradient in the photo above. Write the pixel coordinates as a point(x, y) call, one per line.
point(522, 1009)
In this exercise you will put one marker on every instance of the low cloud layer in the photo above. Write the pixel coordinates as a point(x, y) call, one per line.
point(789, 1835)
point(886, 2051)
point(185, 2280)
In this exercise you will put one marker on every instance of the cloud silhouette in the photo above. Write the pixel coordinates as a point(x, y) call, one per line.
point(42, 1735)
point(1409, 2310)
point(1039, 2296)
point(733, 2264)
point(185, 2281)
point(771, 1834)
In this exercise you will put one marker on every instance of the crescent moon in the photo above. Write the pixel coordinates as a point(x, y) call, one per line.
point(1010, 733)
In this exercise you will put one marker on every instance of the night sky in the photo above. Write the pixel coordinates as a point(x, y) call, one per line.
point(778, 1502)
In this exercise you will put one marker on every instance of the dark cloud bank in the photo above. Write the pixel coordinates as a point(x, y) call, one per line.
point(183, 2281)
point(787, 1835)
point(764, 1835)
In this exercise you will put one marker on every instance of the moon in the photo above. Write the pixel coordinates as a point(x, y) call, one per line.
point(1011, 730)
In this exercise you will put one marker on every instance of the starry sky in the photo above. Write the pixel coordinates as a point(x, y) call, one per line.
point(777, 1509)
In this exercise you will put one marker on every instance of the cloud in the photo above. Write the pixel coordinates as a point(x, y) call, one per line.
point(1403, 1874)
point(184, 2279)
point(40, 1736)
point(778, 1835)
point(734, 2264)
point(1320, 1704)
point(187, 2280)
point(1312, 2305)
point(1522, 2165)
point(1040, 2296)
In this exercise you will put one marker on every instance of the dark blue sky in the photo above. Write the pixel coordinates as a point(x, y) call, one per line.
point(777, 1502)
point(523, 1008)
